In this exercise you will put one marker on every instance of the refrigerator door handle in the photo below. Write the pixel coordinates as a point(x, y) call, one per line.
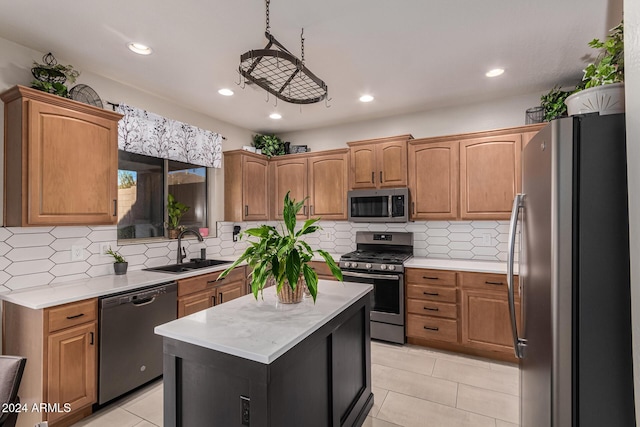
point(518, 343)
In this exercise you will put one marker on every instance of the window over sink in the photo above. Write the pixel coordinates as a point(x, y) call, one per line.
point(144, 183)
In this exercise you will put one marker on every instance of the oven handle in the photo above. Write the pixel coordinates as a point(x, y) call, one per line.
point(371, 276)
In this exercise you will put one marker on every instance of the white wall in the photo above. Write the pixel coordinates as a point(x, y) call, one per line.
point(15, 68)
point(494, 114)
point(632, 92)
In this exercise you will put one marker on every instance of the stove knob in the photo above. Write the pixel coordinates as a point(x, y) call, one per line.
point(368, 265)
point(354, 264)
point(392, 267)
point(347, 264)
point(383, 267)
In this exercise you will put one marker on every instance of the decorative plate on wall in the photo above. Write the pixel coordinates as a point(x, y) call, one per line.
point(85, 94)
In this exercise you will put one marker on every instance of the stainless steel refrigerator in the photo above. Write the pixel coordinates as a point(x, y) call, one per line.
point(574, 342)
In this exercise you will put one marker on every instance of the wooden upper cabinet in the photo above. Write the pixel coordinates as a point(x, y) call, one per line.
point(289, 175)
point(61, 160)
point(433, 179)
point(379, 163)
point(489, 176)
point(328, 184)
point(246, 196)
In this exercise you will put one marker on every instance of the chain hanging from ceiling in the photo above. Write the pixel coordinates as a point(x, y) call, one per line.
point(280, 73)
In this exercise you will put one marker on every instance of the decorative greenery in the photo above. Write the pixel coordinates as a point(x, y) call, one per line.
point(283, 256)
point(609, 66)
point(51, 76)
point(175, 210)
point(118, 258)
point(270, 145)
point(553, 103)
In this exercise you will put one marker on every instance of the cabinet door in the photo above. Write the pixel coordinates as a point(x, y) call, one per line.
point(489, 176)
point(485, 320)
point(255, 178)
point(328, 183)
point(72, 167)
point(71, 368)
point(433, 180)
point(391, 159)
point(196, 302)
point(363, 166)
point(289, 175)
point(229, 291)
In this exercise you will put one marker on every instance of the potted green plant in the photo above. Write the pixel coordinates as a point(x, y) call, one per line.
point(51, 77)
point(120, 264)
point(602, 87)
point(553, 103)
point(270, 145)
point(282, 258)
point(175, 210)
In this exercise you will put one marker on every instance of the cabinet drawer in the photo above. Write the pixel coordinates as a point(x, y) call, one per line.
point(419, 276)
point(431, 308)
point(486, 281)
point(71, 314)
point(322, 269)
point(208, 281)
point(432, 328)
point(431, 293)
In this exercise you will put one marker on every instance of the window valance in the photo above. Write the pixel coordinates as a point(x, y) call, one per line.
point(142, 132)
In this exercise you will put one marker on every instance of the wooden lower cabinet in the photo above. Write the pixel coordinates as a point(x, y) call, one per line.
point(460, 311)
point(322, 270)
point(60, 344)
point(205, 291)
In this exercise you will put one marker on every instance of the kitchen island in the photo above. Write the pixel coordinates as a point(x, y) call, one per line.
point(262, 363)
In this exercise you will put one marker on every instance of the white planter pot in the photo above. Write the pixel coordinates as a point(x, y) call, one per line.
point(607, 99)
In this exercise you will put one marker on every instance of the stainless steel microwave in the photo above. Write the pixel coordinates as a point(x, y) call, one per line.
point(385, 205)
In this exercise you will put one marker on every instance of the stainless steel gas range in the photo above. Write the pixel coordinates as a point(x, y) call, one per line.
point(378, 260)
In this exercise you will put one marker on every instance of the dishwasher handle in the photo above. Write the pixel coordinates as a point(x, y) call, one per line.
point(145, 301)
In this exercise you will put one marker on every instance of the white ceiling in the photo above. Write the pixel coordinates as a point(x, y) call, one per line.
point(412, 55)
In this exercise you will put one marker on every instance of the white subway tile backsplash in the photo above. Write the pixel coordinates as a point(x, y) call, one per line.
point(37, 256)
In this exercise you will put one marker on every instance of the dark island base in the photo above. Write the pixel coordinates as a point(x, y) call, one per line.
point(323, 381)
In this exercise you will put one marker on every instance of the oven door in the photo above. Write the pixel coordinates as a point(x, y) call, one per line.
point(387, 298)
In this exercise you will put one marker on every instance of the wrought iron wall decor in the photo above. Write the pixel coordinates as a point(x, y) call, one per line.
point(279, 72)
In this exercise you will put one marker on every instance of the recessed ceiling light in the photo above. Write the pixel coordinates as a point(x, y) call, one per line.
point(495, 72)
point(275, 116)
point(139, 48)
point(366, 98)
point(225, 92)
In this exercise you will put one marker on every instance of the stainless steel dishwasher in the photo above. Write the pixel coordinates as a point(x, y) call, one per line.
point(130, 354)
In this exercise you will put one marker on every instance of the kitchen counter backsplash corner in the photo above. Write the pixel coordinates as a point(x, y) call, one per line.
point(37, 256)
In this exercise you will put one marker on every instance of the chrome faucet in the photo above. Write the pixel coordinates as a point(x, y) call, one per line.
point(181, 252)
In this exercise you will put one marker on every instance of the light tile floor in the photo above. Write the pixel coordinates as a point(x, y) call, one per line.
point(413, 387)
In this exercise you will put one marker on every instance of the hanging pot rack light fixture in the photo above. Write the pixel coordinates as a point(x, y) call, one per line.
point(279, 72)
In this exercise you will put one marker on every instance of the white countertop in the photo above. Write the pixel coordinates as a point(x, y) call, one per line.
point(263, 330)
point(460, 265)
point(51, 295)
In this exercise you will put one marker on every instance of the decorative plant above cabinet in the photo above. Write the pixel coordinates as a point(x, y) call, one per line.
point(50, 77)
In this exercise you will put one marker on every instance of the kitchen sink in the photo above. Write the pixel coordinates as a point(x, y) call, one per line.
point(188, 266)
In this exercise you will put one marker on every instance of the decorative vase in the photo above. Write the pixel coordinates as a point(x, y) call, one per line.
point(120, 267)
point(606, 99)
point(173, 233)
point(288, 295)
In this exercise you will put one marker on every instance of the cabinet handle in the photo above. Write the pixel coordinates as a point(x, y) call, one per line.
point(433, 294)
point(90, 338)
point(381, 177)
point(413, 207)
point(430, 328)
point(304, 210)
point(373, 174)
point(76, 316)
point(430, 278)
point(431, 308)
point(494, 283)
point(246, 210)
point(311, 210)
point(220, 302)
point(213, 300)
point(115, 207)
